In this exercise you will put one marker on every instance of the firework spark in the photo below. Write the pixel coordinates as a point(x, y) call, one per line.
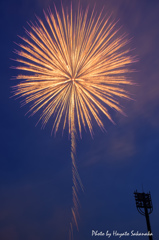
point(74, 70)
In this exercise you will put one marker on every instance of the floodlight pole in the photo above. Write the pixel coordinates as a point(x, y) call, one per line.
point(148, 222)
point(143, 200)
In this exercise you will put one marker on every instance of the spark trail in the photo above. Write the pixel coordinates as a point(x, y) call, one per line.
point(75, 69)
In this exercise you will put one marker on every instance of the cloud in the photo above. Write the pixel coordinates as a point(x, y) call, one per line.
point(122, 146)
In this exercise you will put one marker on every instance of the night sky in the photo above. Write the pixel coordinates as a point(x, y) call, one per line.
point(35, 167)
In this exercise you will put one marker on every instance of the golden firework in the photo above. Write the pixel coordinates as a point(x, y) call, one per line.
point(74, 69)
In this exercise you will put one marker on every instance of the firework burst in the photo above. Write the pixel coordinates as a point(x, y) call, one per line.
point(74, 70)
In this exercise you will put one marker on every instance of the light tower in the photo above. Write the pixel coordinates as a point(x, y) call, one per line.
point(144, 207)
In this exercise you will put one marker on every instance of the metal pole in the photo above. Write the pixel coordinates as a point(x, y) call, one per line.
point(144, 207)
point(147, 219)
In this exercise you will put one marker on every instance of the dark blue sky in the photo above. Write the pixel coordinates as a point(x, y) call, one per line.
point(35, 167)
